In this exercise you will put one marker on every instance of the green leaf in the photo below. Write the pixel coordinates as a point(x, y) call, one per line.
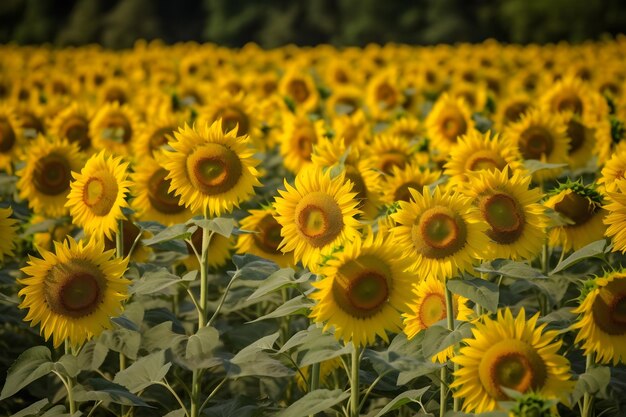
point(253, 360)
point(511, 269)
point(99, 389)
point(121, 340)
point(595, 249)
point(29, 366)
point(438, 338)
point(175, 232)
point(297, 305)
point(152, 282)
point(279, 279)
point(161, 337)
point(68, 365)
point(484, 293)
point(176, 413)
point(92, 356)
point(315, 402)
point(593, 381)
point(202, 344)
point(221, 225)
point(406, 397)
point(319, 346)
point(422, 369)
point(534, 165)
point(33, 409)
point(143, 373)
point(251, 267)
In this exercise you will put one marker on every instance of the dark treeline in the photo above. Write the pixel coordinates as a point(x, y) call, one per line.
point(118, 23)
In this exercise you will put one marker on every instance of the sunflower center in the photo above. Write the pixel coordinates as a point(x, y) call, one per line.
point(511, 364)
point(159, 138)
point(52, 175)
point(31, 123)
point(439, 233)
point(7, 136)
point(485, 160)
point(361, 287)
point(514, 111)
point(233, 117)
point(268, 237)
point(319, 218)
point(577, 208)
point(453, 125)
point(76, 129)
point(358, 184)
point(569, 102)
point(115, 94)
point(576, 134)
point(505, 217)
point(160, 198)
point(535, 142)
point(75, 288)
point(298, 90)
point(386, 95)
point(609, 308)
point(432, 309)
point(100, 195)
point(304, 139)
point(403, 192)
point(392, 159)
point(214, 169)
point(118, 127)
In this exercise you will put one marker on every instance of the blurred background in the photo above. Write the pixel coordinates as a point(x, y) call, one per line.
point(119, 23)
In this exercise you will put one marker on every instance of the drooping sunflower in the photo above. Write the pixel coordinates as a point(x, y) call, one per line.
point(428, 306)
point(448, 120)
point(581, 205)
point(265, 239)
point(10, 138)
point(441, 232)
point(72, 123)
point(210, 170)
point(74, 292)
point(97, 195)
point(517, 221)
point(541, 136)
point(113, 128)
point(363, 292)
point(153, 199)
point(413, 176)
point(8, 231)
point(513, 353)
point(316, 215)
point(616, 217)
point(476, 152)
point(601, 324)
point(45, 179)
point(300, 135)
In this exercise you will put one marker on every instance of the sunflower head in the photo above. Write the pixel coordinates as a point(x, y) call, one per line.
point(8, 230)
point(265, 238)
point(74, 291)
point(449, 119)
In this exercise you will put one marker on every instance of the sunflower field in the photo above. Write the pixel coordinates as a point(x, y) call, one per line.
point(192, 230)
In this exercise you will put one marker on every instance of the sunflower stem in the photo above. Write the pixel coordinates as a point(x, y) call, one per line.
point(354, 383)
point(69, 385)
point(119, 250)
point(450, 320)
point(443, 375)
point(587, 397)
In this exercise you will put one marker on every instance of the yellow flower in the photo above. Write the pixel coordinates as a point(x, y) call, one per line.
point(299, 136)
point(74, 292)
point(615, 220)
point(154, 135)
point(297, 85)
point(72, 123)
point(363, 291)
point(8, 231)
point(220, 248)
point(511, 352)
point(113, 128)
point(448, 120)
point(210, 170)
point(10, 138)
point(412, 177)
point(265, 238)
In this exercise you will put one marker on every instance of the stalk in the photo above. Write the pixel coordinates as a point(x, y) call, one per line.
point(450, 320)
point(354, 383)
point(119, 250)
point(587, 397)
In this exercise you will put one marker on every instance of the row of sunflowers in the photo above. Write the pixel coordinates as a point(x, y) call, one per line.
point(359, 231)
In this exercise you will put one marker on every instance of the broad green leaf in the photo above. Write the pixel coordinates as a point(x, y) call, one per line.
point(253, 360)
point(176, 413)
point(161, 337)
point(297, 305)
point(202, 344)
point(484, 293)
point(534, 165)
point(99, 389)
point(438, 338)
point(121, 340)
point(422, 369)
point(406, 397)
point(92, 356)
point(175, 232)
point(143, 373)
point(314, 346)
point(68, 365)
point(593, 381)
point(29, 366)
point(279, 279)
point(152, 282)
point(251, 267)
point(595, 249)
point(315, 402)
point(33, 409)
point(221, 225)
point(511, 269)
point(125, 322)
point(239, 406)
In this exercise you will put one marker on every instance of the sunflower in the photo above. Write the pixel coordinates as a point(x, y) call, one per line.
point(153, 199)
point(115, 90)
point(97, 195)
point(299, 86)
point(326, 370)
point(8, 231)
point(55, 233)
point(512, 108)
point(428, 307)
point(614, 170)
point(541, 136)
point(448, 120)
point(477, 152)
point(130, 235)
point(45, 179)
point(113, 128)
point(513, 353)
point(441, 232)
point(345, 99)
point(387, 151)
point(210, 170)
point(408, 128)
point(154, 134)
point(581, 205)
point(582, 141)
point(355, 129)
point(265, 238)
point(363, 292)
point(220, 249)
point(412, 177)
point(316, 215)
point(31, 121)
point(72, 123)
point(74, 292)
point(517, 221)
point(10, 137)
point(572, 95)
point(383, 94)
point(616, 217)
point(299, 136)
point(601, 324)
